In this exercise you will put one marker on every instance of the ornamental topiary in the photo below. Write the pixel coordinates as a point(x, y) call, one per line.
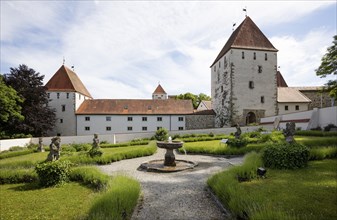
point(237, 142)
point(286, 156)
point(53, 173)
point(161, 134)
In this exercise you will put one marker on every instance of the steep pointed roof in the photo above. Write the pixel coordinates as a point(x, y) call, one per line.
point(246, 36)
point(280, 80)
point(66, 80)
point(159, 90)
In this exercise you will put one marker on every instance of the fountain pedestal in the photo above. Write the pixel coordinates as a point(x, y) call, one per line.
point(170, 159)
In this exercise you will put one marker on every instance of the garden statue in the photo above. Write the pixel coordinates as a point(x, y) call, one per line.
point(289, 132)
point(55, 149)
point(238, 131)
point(40, 147)
point(95, 143)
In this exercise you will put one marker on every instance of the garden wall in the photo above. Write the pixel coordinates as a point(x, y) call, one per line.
point(117, 138)
point(305, 120)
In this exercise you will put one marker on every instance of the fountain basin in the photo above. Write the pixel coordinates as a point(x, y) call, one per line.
point(158, 166)
point(169, 146)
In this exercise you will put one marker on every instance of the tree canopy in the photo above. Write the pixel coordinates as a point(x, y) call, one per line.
point(329, 66)
point(196, 99)
point(38, 117)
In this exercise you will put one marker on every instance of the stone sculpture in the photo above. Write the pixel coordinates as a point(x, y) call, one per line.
point(40, 147)
point(289, 132)
point(95, 143)
point(237, 134)
point(55, 149)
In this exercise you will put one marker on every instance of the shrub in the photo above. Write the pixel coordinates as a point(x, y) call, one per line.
point(318, 128)
point(9, 154)
point(329, 126)
point(322, 153)
point(81, 147)
point(17, 148)
point(285, 156)
point(237, 142)
point(53, 173)
point(95, 152)
point(161, 134)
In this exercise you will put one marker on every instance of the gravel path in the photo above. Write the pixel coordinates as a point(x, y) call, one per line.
point(180, 195)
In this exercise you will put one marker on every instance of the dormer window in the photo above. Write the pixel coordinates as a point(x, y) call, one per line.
point(149, 107)
point(125, 106)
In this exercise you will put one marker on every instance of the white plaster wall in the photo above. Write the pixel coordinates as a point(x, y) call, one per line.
point(327, 116)
point(120, 123)
point(68, 126)
point(246, 70)
point(292, 107)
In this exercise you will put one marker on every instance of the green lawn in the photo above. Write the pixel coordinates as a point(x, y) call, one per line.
point(28, 201)
point(308, 193)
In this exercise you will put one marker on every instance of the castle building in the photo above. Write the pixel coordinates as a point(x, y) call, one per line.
point(78, 113)
point(243, 77)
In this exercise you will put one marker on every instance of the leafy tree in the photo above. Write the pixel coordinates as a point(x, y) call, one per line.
point(38, 117)
point(10, 108)
point(329, 66)
point(196, 99)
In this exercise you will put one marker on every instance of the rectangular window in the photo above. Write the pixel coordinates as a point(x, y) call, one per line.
point(129, 118)
point(87, 118)
point(144, 118)
point(219, 64)
point(260, 69)
point(61, 120)
point(159, 119)
point(265, 56)
point(254, 56)
point(108, 118)
point(286, 108)
point(129, 128)
point(221, 88)
point(67, 95)
point(251, 84)
point(87, 128)
point(108, 128)
point(181, 118)
point(181, 128)
point(243, 55)
point(58, 95)
point(297, 107)
point(63, 108)
point(262, 99)
point(144, 128)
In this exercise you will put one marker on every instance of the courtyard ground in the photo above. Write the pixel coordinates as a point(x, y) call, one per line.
point(180, 195)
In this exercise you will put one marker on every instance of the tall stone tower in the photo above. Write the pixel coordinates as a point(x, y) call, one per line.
point(243, 77)
point(66, 93)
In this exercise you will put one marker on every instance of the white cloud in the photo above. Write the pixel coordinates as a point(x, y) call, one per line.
point(123, 49)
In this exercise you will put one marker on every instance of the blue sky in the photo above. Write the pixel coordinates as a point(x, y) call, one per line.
point(123, 49)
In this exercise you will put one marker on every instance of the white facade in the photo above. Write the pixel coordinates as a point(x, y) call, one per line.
point(243, 82)
point(110, 124)
point(291, 107)
point(65, 105)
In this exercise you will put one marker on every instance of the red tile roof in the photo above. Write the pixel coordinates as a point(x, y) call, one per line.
point(66, 80)
point(135, 107)
point(280, 80)
point(246, 36)
point(159, 90)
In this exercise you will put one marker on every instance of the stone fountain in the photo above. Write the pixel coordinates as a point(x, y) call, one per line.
point(169, 164)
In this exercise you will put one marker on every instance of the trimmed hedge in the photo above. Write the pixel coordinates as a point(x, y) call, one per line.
point(316, 133)
point(9, 154)
point(10, 176)
point(90, 176)
point(285, 156)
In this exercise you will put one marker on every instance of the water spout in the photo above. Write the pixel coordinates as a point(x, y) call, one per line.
point(170, 139)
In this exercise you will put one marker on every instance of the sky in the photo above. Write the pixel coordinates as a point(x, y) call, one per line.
point(123, 49)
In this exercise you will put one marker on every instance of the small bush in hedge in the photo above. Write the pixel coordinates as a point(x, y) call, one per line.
point(161, 134)
point(329, 126)
point(286, 156)
point(237, 142)
point(53, 173)
point(95, 152)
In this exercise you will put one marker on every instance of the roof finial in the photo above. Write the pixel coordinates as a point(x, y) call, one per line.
point(73, 68)
point(64, 60)
point(233, 26)
point(245, 10)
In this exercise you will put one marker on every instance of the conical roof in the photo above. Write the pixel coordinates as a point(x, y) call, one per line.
point(246, 36)
point(159, 90)
point(66, 80)
point(280, 80)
